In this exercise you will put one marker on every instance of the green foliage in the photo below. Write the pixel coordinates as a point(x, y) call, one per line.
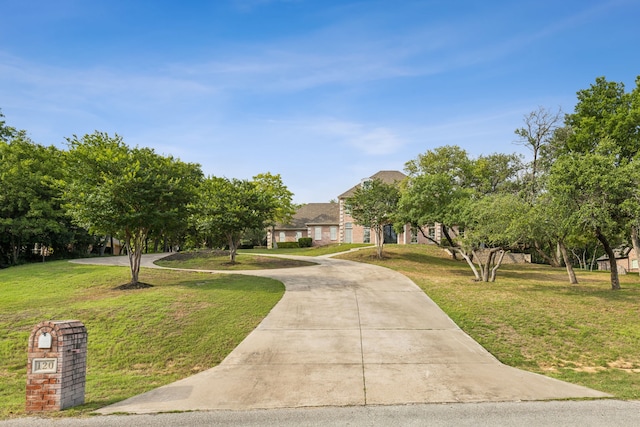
point(288, 245)
point(127, 192)
point(445, 186)
point(273, 186)
point(496, 221)
point(7, 133)
point(374, 205)
point(595, 172)
point(305, 242)
point(227, 208)
point(30, 201)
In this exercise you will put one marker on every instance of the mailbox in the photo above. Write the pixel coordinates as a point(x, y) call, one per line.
point(56, 365)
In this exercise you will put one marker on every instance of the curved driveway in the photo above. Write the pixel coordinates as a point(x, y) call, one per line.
point(346, 333)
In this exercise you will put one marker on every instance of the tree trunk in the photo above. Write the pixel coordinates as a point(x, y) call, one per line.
point(593, 258)
point(567, 262)
point(580, 260)
point(494, 270)
point(445, 231)
point(232, 248)
point(613, 265)
point(14, 250)
point(487, 266)
point(635, 240)
point(553, 262)
point(470, 262)
point(134, 252)
point(379, 239)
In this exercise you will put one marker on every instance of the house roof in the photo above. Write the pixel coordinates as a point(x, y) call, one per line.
point(388, 177)
point(620, 253)
point(313, 214)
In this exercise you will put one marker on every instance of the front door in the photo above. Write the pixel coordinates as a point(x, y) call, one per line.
point(390, 235)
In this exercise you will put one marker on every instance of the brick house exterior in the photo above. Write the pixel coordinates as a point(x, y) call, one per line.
point(350, 232)
point(328, 223)
point(626, 260)
point(316, 220)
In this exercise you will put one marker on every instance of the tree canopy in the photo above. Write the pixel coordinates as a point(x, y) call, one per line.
point(226, 209)
point(127, 192)
point(374, 205)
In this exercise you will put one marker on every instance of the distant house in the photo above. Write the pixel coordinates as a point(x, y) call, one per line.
point(328, 223)
point(316, 220)
point(350, 232)
point(626, 260)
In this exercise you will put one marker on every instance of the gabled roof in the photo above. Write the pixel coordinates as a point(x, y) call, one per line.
point(388, 177)
point(619, 252)
point(313, 214)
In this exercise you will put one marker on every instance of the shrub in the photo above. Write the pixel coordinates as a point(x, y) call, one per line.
point(305, 242)
point(287, 245)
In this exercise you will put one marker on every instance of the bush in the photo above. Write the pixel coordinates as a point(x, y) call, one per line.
point(305, 242)
point(287, 245)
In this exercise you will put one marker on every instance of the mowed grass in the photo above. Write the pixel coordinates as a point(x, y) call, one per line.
point(532, 318)
point(138, 339)
point(208, 260)
point(314, 251)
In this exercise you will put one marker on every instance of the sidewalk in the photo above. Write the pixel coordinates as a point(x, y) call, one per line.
point(348, 334)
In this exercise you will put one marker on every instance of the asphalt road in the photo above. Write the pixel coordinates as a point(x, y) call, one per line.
point(609, 413)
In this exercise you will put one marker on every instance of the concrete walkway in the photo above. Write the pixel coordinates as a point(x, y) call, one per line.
point(347, 333)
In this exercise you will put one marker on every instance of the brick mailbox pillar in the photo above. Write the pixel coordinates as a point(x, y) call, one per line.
point(57, 365)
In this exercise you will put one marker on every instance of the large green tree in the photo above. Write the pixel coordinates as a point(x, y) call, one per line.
point(285, 208)
point(439, 183)
point(593, 186)
point(603, 133)
point(228, 208)
point(445, 186)
point(374, 205)
point(493, 223)
point(127, 192)
point(31, 215)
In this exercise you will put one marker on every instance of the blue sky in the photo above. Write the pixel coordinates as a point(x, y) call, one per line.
point(322, 92)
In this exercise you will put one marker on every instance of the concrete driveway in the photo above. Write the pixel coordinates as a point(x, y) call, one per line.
point(349, 334)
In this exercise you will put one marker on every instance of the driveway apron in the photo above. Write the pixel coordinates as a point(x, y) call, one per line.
point(346, 333)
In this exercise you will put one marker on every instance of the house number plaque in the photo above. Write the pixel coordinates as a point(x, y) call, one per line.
point(44, 366)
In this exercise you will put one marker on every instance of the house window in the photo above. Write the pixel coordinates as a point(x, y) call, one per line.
point(348, 232)
point(298, 235)
point(346, 207)
point(432, 232)
point(282, 237)
point(334, 232)
point(318, 233)
point(634, 264)
point(414, 235)
point(367, 235)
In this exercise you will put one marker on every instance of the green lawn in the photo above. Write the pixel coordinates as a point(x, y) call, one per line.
point(315, 251)
point(208, 260)
point(532, 318)
point(138, 339)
